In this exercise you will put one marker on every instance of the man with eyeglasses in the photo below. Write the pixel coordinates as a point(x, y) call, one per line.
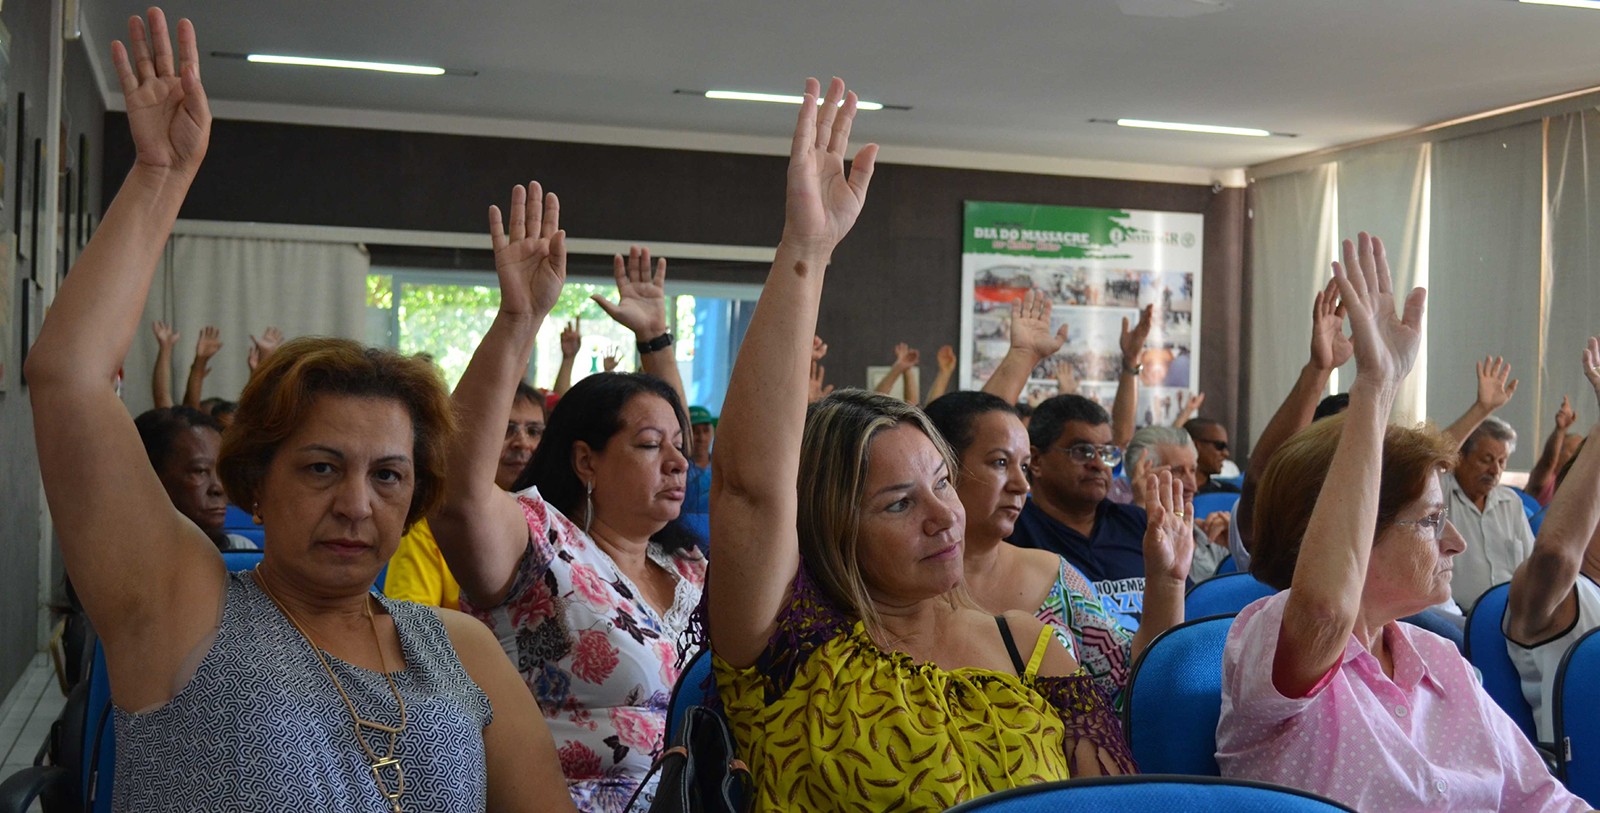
point(1069, 512)
point(1211, 450)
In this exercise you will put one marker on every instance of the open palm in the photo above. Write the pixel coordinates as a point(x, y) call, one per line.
point(167, 111)
point(1385, 343)
point(823, 202)
point(641, 304)
point(531, 261)
point(1168, 537)
point(1030, 326)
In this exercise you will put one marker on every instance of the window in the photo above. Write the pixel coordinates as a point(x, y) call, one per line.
point(446, 313)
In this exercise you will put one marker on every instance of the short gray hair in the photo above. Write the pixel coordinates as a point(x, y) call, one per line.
point(1492, 427)
point(1147, 439)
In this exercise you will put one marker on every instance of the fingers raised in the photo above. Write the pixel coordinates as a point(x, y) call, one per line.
point(161, 44)
point(805, 130)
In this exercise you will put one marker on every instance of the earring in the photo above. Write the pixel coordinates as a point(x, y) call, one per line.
point(588, 506)
point(255, 513)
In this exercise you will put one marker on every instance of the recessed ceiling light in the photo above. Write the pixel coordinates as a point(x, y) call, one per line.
point(742, 96)
point(1594, 4)
point(352, 64)
point(1212, 129)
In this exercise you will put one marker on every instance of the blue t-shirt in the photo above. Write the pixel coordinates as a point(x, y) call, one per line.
point(1112, 556)
point(697, 490)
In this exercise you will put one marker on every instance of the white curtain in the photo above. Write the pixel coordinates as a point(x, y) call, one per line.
point(1384, 192)
point(241, 286)
point(1484, 297)
point(1294, 242)
point(1572, 270)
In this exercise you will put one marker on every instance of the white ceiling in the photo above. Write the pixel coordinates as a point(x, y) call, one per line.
point(1016, 77)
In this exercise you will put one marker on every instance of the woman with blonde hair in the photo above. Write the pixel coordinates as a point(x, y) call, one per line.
point(854, 669)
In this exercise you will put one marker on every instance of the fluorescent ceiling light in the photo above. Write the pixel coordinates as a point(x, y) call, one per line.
point(1594, 4)
point(1194, 128)
point(741, 96)
point(315, 62)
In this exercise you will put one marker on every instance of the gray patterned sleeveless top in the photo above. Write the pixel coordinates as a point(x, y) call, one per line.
point(260, 726)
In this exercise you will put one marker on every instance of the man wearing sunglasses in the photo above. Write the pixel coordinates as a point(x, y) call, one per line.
point(1211, 450)
point(1069, 513)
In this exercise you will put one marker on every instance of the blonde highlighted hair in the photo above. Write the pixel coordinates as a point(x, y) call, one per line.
point(835, 456)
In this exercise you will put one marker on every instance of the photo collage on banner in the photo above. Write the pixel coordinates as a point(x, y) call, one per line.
point(1098, 266)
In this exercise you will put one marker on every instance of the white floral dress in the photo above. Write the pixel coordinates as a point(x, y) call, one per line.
point(599, 659)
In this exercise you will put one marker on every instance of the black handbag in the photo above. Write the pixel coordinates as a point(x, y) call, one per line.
point(701, 772)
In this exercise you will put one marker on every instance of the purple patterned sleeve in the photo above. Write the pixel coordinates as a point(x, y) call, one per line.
point(1087, 715)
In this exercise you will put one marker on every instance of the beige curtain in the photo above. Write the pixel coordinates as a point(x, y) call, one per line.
point(1484, 296)
point(242, 285)
point(1571, 285)
point(1293, 244)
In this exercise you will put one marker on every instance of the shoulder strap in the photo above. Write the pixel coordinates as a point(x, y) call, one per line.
point(1011, 644)
point(1039, 648)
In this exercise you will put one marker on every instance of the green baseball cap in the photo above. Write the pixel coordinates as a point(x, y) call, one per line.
point(699, 415)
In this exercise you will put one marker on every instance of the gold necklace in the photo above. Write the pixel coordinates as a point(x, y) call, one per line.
point(376, 763)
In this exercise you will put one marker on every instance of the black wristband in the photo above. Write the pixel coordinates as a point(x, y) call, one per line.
point(661, 342)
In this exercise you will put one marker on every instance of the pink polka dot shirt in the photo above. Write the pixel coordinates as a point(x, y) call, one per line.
point(1427, 739)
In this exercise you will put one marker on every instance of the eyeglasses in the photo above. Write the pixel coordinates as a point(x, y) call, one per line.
point(1219, 445)
point(1085, 452)
point(1432, 524)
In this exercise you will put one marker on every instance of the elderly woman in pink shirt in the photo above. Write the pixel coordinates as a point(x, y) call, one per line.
point(1323, 688)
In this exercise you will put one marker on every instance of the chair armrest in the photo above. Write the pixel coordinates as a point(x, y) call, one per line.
point(20, 789)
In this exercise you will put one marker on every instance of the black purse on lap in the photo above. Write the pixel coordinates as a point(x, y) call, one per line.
point(701, 772)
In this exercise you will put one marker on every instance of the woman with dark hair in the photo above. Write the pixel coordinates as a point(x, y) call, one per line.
point(290, 687)
point(855, 670)
point(576, 572)
point(992, 449)
point(182, 444)
point(1323, 688)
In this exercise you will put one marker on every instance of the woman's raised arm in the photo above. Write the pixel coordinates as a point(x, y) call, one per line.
point(1325, 593)
point(479, 528)
point(150, 580)
point(757, 465)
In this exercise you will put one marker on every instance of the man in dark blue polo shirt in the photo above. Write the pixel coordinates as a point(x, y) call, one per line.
point(1069, 513)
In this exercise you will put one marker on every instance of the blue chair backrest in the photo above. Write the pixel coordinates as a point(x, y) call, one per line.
point(1226, 566)
point(1154, 793)
point(1530, 503)
point(1537, 520)
point(1174, 698)
point(99, 736)
point(1577, 717)
point(1207, 504)
point(694, 688)
point(1486, 649)
point(238, 519)
point(1224, 594)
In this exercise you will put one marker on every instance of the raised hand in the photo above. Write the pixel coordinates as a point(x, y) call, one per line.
point(1591, 364)
point(1133, 339)
point(571, 339)
point(532, 261)
point(641, 304)
point(947, 359)
point(1189, 409)
point(819, 348)
point(906, 357)
point(822, 202)
point(815, 391)
point(1566, 416)
point(1066, 378)
point(165, 335)
point(1139, 477)
point(1168, 536)
point(1330, 348)
point(1215, 527)
point(1384, 342)
point(209, 343)
point(263, 347)
point(610, 360)
point(1030, 325)
point(167, 111)
point(1493, 389)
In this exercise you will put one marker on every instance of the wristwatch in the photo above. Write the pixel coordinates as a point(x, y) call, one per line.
point(1126, 370)
point(661, 342)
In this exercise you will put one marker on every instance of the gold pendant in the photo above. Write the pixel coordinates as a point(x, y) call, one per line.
point(399, 777)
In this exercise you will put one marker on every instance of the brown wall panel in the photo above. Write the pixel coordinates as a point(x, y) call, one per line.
point(896, 278)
